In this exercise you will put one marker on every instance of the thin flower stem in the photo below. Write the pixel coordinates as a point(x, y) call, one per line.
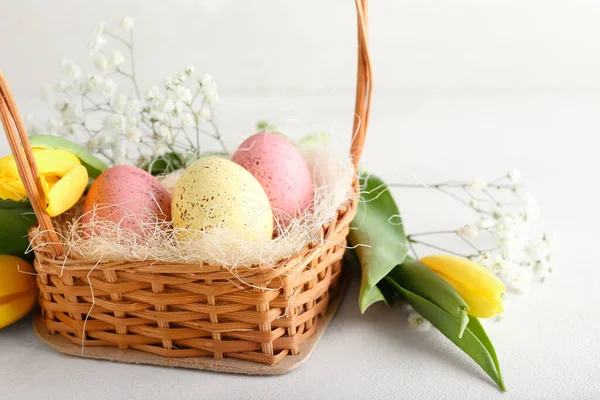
point(119, 38)
point(435, 247)
point(412, 248)
point(462, 201)
point(491, 196)
point(468, 242)
point(133, 76)
point(430, 233)
point(218, 137)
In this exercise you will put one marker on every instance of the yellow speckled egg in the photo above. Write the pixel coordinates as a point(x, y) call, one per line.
point(215, 193)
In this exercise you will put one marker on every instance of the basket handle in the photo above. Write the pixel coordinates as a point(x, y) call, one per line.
point(364, 85)
point(28, 171)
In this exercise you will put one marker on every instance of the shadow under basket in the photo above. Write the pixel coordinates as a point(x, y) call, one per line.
point(193, 316)
point(258, 320)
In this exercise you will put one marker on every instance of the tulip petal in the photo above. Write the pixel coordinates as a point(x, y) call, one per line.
point(93, 164)
point(463, 270)
point(480, 305)
point(16, 307)
point(17, 275)
point(12, 189)
point(65, 193)
point(477, 286)
point(49, 162)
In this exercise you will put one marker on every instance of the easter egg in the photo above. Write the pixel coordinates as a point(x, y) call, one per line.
point(129, 197)
point(281, 170)
point(216, 193)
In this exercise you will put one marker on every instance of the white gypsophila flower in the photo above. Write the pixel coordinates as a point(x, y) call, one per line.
point(94, 144)
point(183, 94)
point(208, 88)
point(107, 88)
point(91, 83)
point(132, 107)
point(165, 133)
point(159, 149)
point(61, 87)
point(470, 231)
point(515, 175)
point(535, 250)
point(547, 238)
point(178, 110)
point(127, 23)
point(517, 280)
point(541, 269)
point(99, 28)
point(72, 113)
point(474, 203)
point(61, 105)
point(164, 104)
point(119, 153)
point(101, 62)
point(203, 114)
point(207, 82)
point(157, 116)
point(416, 321)
point(186, 119)
point(485, 222)
point(52, 126)
point(477, 184)
point(212, 97)
point(133, 134)
point(119, 103)
point(498, 212)
point(96, 44)
point(152, 93)
point(115, 124)
point(115, 59)
point(506, 223)
point(33, 128)
point(70, 69)
point(189, 70)
point(47, 92)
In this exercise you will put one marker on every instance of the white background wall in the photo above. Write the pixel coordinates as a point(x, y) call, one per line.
point(463, 87)
point(308, 45)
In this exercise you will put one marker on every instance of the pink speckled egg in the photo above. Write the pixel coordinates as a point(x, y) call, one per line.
point(281, 170)
point(129, 197)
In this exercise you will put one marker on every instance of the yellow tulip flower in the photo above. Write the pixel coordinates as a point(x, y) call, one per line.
point(63, 178)
point(478, 287)
point(18, 291)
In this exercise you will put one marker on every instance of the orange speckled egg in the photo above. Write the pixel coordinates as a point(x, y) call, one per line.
point(129, 197)
point(281, 170)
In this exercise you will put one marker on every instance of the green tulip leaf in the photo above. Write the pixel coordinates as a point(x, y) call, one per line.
point(15, 223)
point(474, 342)
point(8, 204)
point(164, 164)
point(378, 234)
point(422, 281)
point(93, 164)
point(315, 139)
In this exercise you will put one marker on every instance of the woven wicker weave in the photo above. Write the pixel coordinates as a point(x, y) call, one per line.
point(188, 310)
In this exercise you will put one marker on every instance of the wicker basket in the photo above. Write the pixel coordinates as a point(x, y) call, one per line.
point(184, 310)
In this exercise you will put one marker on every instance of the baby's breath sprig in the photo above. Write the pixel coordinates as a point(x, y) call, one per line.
point(163, 124)
point(499, 237)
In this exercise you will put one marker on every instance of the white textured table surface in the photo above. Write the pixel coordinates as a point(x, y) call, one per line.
point(548, 342)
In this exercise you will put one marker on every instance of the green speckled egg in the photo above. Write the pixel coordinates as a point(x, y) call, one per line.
point(217, 193)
